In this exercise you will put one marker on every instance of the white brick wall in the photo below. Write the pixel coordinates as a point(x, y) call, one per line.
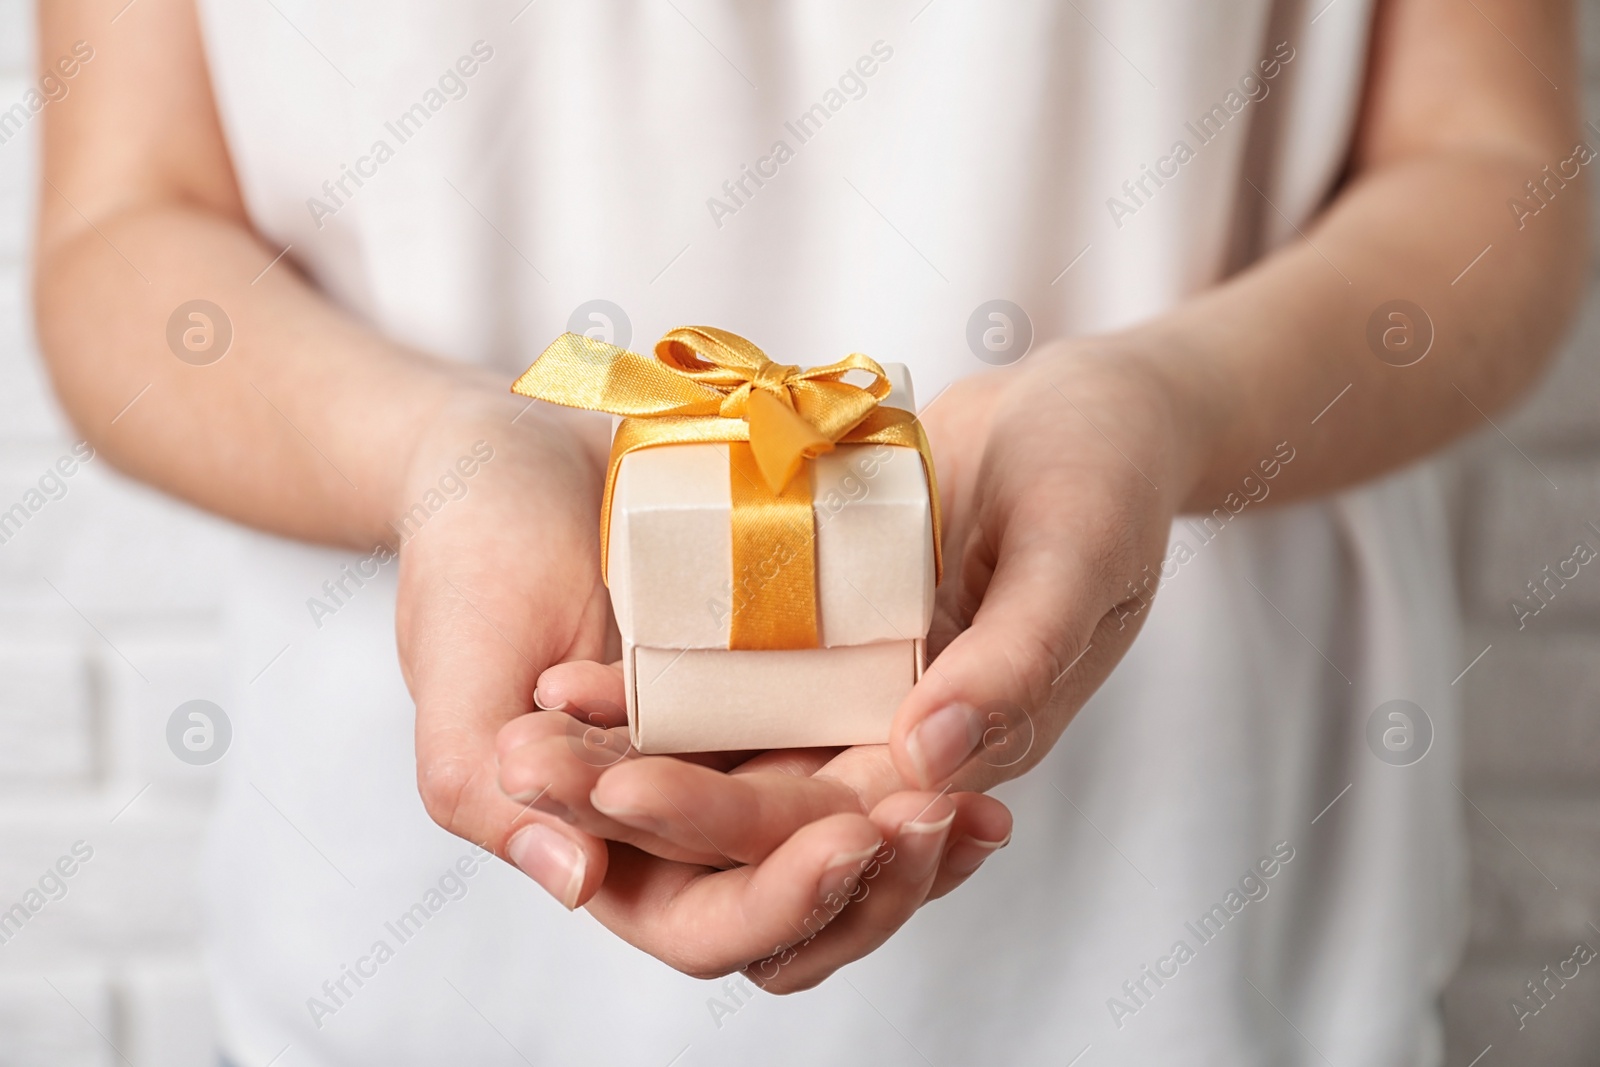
point(111, 970)
point(1532, 756)
point(109, 973)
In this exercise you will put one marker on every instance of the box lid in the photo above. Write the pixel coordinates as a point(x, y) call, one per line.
point(670, 557)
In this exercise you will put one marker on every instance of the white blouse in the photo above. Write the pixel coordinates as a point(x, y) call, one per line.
point(1214, 865)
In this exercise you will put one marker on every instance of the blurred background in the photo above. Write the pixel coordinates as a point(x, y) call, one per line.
point(109, 598)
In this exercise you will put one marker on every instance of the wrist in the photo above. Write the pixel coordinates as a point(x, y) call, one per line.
point(1172, 417)
point(478, 422)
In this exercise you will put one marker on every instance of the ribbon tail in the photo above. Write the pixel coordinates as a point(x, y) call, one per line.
point(580, 372)
point(780, 439)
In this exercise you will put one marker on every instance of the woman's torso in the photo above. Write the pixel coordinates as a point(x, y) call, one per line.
point(516, 164)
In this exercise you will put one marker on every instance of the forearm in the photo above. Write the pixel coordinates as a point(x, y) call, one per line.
point(303, 428)
point(1260, 359)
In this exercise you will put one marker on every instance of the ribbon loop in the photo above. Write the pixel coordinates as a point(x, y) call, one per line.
point(708, 385)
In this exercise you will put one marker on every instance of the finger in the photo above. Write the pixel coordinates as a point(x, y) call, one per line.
point(592, 691)
point(741, 817)
point(982, 827)
point(875, 903)
point(594, 694)
point(709, 924)
point(552, 762)
point(568, 864)
point(673, 810)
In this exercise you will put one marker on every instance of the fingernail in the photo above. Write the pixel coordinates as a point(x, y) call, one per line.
point(843, 872)
point(543, 703)
point(928, 826)
point(968, 854)
point(919, 844)
point(942, 742)
point(629, 817)
point(549, 858)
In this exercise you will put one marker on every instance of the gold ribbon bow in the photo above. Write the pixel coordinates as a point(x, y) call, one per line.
point(708, 386)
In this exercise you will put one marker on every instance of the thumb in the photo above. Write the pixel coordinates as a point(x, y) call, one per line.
point(471, 666)
point(1047, 632)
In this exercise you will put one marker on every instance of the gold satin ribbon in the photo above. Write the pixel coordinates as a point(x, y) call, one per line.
point(709, 386)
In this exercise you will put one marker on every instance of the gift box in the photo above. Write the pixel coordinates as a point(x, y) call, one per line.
point(770, 539)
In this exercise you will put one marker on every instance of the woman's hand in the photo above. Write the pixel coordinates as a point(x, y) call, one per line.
point(1060, 479)
point(495, 587)
point(1057, 525)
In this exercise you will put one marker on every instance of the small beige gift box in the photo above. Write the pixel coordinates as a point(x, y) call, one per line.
point(672, 593)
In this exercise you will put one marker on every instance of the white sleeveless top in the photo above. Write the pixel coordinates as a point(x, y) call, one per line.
point(465, 176)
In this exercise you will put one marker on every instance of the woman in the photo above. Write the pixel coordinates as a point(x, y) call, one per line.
point(1207, 214)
